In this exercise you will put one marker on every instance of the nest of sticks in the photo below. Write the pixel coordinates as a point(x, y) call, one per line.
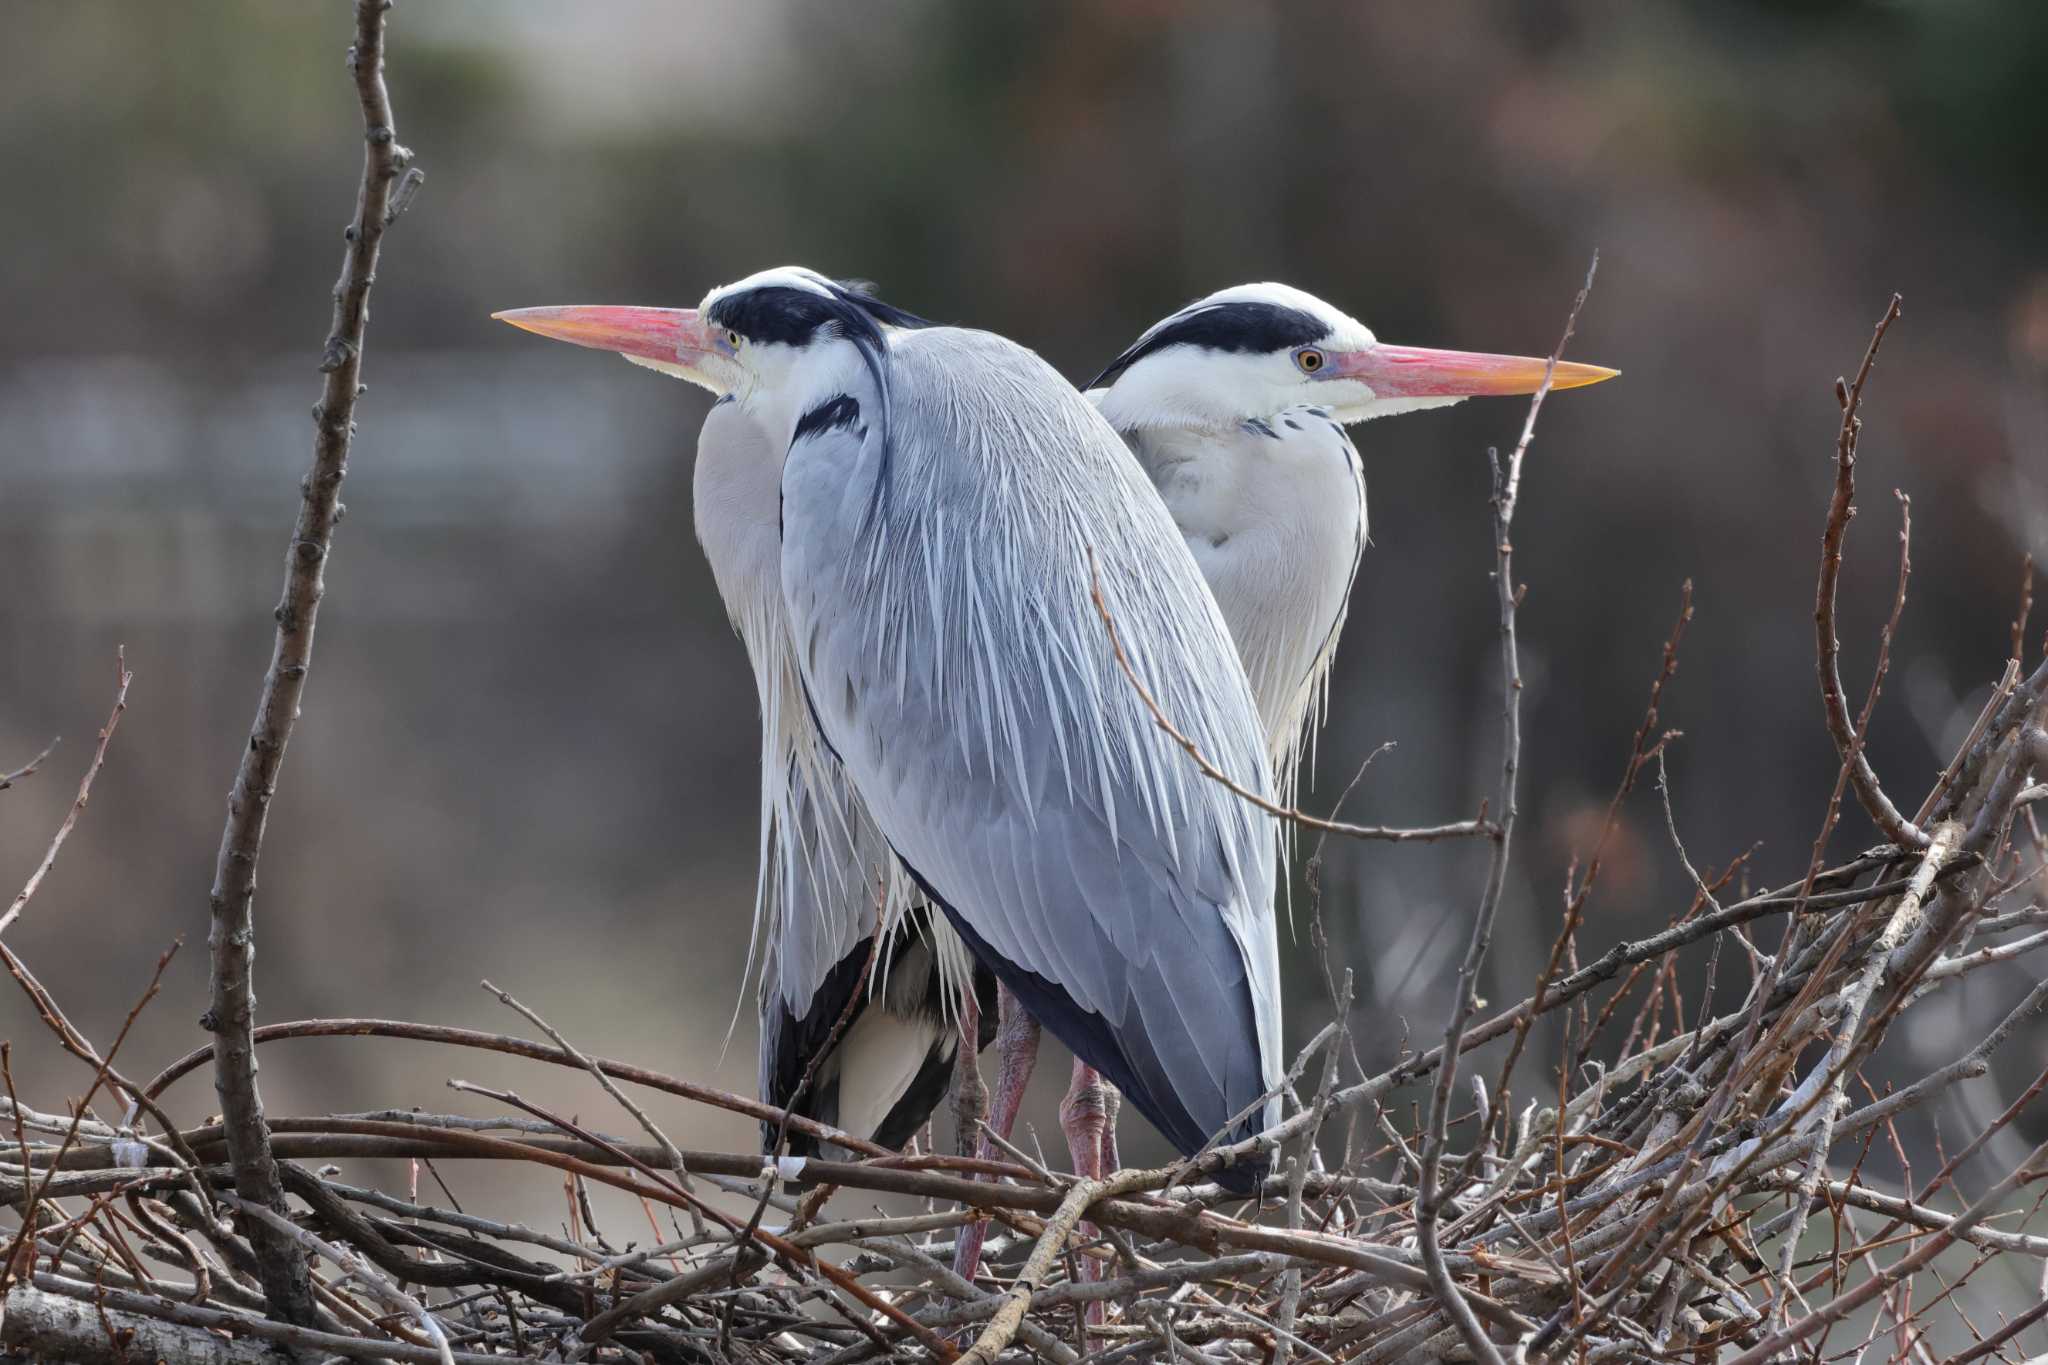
point(1677, 1183)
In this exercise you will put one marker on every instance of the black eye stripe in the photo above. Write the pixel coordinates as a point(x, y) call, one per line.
point(790, 316)
point(1255, 327)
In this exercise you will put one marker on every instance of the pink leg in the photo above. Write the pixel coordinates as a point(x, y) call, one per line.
point(1016, 1055)
point(1114, 1103)
point(1088, 1114)
point(970, 1096)
point(1084, 1114)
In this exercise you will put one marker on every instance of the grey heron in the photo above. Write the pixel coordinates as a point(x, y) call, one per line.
point(946, 502)
point(827, 878)
point(1236, 407)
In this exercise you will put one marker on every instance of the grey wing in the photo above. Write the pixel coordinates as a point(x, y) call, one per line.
point(859, 1039)
point(939, 588)
point(825, 869)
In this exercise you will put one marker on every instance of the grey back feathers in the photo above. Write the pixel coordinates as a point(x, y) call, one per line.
point(826, 873)
point(937, 577)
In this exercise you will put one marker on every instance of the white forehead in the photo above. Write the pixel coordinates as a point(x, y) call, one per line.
point(1345, 330)
point(775, 277)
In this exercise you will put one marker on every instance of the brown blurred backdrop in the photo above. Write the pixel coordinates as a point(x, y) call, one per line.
point(528, 744)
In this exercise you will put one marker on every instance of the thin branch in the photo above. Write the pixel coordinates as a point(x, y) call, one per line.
point(358, 1269)
point(122, 677)
point(2019, 622)
point(624, 1101)
point(1850, 1044)
point(521, 1047)
point(1895, 827)
point(231, 1017)
point(99, 1078)
point(1460, 829)
point(27, 769)
point(1002, 1328)
point(1429, 1194)
point(1844, 1304)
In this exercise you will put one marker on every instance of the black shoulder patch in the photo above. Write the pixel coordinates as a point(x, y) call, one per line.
point(1256, 327)
point(839, 411)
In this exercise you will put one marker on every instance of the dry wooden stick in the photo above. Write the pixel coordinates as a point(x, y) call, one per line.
point(1002, 1328)
point(1429, 1192)
point(1895, 827)
point(122, 677)
point(231, 1018)
point(27, 769)
point(1460, 829)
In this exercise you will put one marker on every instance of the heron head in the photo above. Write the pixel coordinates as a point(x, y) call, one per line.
point(744, 338)
point(1258, 349)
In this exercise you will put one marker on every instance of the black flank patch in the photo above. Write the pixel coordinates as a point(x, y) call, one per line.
point(841, 410)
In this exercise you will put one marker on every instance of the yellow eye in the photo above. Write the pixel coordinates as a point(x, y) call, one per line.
point(1309, 359)
point(732, 339)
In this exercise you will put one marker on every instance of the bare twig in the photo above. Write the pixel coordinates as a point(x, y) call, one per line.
point(122, 677)
point(2019, 622)
point(520, 1047)
point(1429, 1193)
point(1002, 1328)
point(232, 902)
point(1894, 826)
point(358, 1269)
point(1849, 1044)
point(27, 769)
point(99, 1078)
point(668, 1149)
point(1844, 1304)
point(1460, 829)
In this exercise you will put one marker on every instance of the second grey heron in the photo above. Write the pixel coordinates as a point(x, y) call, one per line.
point(1236, 407)
point(947, 503)
point(873, 1066)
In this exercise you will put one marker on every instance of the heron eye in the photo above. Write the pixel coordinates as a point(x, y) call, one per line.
point(1309, 359)
point(732, 339)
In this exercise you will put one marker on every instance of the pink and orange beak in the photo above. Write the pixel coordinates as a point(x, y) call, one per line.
point(673, 336)
point(1416, 372)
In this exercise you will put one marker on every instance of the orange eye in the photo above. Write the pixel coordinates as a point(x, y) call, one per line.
point(1309, 359)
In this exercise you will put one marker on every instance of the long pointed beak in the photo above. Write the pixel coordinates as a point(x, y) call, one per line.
point(669, 335)
point(1416, 372)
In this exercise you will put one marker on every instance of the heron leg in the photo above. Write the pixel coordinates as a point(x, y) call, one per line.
point(970, 1095)
point(1088, 1114)
point(1016, 1055)
point(1113, 1103)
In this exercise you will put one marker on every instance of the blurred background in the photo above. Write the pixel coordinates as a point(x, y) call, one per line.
point(529, 739)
